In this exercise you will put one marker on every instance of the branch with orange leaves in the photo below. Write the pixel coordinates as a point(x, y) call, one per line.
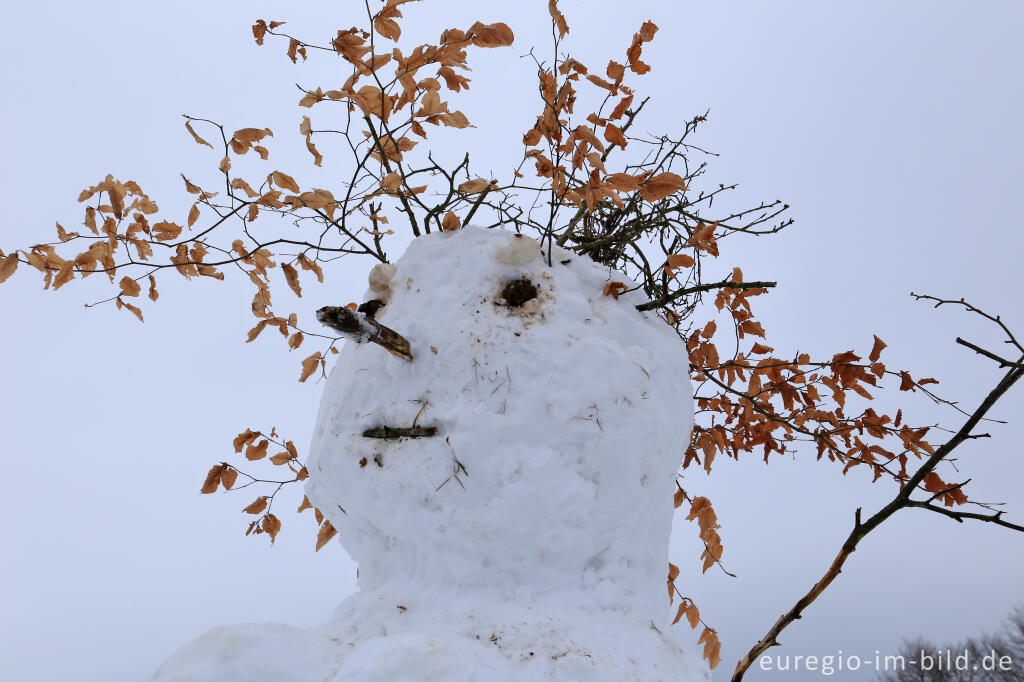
point(688, 608)
point(709, 286)
point(923, 477)
point(255, 445)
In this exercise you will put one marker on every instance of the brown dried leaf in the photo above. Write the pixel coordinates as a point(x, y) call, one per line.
point(213, 478)
point(876, 349)
point(63, 234)
point(680, 260)
point(613, 134)
point(309, 366)
point(291, 275)
point(257, 505)
point(64, 275)
point(391, 182)
point(613, 288)
point(281, 458)
point(661, 186)
point(490, 35)
point(311, 265)
point(450, 222)
point(559, 19)
point(258, 451)
point(193, 214)
point(244, 438)
point(317, 156)
point(259, 31)
point(327, 532)
point(693, 615)
point(476, 186)
point(615, 71)
point(387, 28)
point(228, 478)
point(255, 331)
point(129, 287)
point(284, 180)
point(271, 526)
point(166, 231)
point(906, 383)
point(624, 182)
point(199, 140)
point(311, 98)
point(296, 48)
point(8, 265)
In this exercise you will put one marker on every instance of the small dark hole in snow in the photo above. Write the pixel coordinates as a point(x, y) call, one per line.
point(518, 291)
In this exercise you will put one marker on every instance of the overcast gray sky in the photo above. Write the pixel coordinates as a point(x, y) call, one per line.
point(893, 129)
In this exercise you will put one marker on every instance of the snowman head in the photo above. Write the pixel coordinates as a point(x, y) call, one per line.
point(548, 424)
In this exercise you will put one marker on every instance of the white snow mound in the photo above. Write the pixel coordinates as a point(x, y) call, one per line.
point(528, 538)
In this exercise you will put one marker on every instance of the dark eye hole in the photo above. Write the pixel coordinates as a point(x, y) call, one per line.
point(518, 291)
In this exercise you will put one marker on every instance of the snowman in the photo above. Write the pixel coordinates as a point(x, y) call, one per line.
point(503, 478)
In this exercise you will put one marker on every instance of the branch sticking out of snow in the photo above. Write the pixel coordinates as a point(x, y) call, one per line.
point(360, 328)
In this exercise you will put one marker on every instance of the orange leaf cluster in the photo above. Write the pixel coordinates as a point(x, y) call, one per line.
point(255, 445)
point(707, 521)
point(770, 404)
point(575, 162)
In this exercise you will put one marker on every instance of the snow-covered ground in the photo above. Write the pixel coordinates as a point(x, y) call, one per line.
point(528, 538)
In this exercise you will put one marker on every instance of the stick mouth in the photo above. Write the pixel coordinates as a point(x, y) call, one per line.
point(395, 432)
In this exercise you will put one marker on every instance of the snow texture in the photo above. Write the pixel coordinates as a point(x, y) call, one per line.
point(528, 539)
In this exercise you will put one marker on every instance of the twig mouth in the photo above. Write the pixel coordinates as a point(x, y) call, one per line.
point(394, 432)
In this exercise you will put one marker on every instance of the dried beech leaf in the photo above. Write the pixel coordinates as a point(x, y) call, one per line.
point(129, 287)
point(213, 479)
point(309, 366)
point(257, 505)
point(327, 532)
point(188, 126)
point(8, 265)
point(291, 275)
point(559, 19)
point(258, 451)
point(613, 134)
point(271, 526)
point(450, 222)
point(476, 186)
point(166, 231)
point(285, 180)
point(876, 349)
point(661, 186)
point(133, 309)
point(490, 35)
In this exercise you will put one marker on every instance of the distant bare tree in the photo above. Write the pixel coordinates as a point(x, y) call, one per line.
point(990, 658)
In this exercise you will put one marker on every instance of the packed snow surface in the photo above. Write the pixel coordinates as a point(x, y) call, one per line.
point(528, 538)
